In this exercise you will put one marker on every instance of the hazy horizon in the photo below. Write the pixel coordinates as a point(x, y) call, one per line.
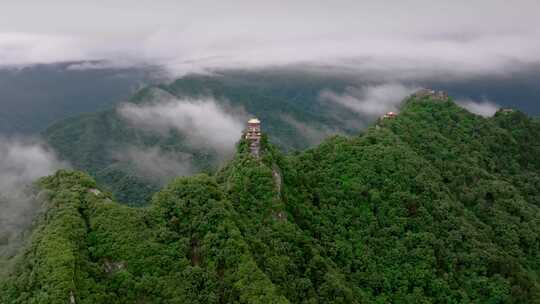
point(400, 40)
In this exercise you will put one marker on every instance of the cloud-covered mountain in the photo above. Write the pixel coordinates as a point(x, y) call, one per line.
point(193, 123)
point(33, 97)
point(206, 122)
point(434, 205)
point(432, 186)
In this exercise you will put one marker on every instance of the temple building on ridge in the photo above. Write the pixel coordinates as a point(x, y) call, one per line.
point(390, 115)
point(435, 95)
point(253, 136)
point(506, 110)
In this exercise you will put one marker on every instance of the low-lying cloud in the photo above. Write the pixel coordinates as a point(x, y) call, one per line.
point(407, 39)
point(370, 101)
point(484, 108)
point(155, 164)
point(313, 134)
point(21, 163)
point(204, 122)
point(27, 48)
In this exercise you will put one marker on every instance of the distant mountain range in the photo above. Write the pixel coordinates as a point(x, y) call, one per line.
point(36, 96)
point(288, 106)
point(288, 102)
point(33, 97)
point(75, 107)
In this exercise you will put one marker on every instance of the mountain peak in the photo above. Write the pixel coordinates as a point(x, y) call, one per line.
point(431, 94)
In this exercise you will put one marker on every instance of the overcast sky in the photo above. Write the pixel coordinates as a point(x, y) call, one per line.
point(409, 38)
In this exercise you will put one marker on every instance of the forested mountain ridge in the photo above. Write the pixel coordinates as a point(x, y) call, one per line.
point(436, 205)
point(288, 105)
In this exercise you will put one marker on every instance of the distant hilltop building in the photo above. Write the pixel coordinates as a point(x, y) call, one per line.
point(437, 95)
point(386, 116)
point(507, 110)
point(422, 93)
point(253, 136)
point(390, 115)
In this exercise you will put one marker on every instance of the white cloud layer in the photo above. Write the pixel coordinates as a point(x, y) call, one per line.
point(370, 101)
point(155, 164)
point(21, 163)
point(398, 40)
point(204, 122)
point(484, 108)
point(314, 134)
point(26, 48)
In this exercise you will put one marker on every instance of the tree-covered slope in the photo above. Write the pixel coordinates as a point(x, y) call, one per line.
point(98, 143)
point(436, 205)
point(288, 105)
point(287, 101)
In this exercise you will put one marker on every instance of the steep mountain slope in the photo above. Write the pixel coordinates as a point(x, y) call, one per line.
point(434, 206)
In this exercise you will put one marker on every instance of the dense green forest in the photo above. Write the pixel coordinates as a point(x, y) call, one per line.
point(286, 100)
point(436, 205)
point(287, 103)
